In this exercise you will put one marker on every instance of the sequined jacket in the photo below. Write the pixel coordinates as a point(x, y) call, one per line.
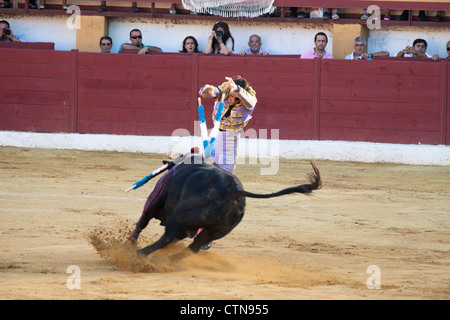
point(240, 113)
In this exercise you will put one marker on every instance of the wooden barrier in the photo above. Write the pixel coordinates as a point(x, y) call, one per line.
point(27, 45)
point(391, 101)
point(35, 90)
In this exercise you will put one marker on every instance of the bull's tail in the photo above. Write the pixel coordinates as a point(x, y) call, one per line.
point(314, 183)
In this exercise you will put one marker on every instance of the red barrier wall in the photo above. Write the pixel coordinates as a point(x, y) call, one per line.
point(35, 90)
point(134, 94)
point(390, 100)
point(387, 101)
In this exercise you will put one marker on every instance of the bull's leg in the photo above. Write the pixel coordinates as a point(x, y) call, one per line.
point(166, 239)
point(150, 208)
point(206, 246)
point(140, 225)
point(203, 239)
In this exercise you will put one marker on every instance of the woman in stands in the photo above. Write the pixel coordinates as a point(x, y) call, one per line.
point(218, 41)
point(190, 45)
point(6, 33)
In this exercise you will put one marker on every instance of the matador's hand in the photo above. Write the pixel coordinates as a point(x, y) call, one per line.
point(231, 85)
point(207, 91)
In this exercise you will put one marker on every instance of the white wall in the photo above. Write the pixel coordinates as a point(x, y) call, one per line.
point(42, 28)
point(395, 39)
point(250, 150)
point(280, 38)
point(169, 34)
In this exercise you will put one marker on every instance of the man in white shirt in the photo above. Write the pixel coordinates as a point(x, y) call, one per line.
point(360, 53)
point(418, 50)
point(254, 47)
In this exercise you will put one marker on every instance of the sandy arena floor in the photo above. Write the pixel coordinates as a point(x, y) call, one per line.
point(63, 208)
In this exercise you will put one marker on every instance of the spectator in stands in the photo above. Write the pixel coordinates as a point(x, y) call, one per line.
point(360, 45)
point(173, 8)
point(7, 34)
point(333, 15)
point(448, 49)
point(405, 14)
point(302, 13)
point(254, 47)
point(102, 7)
point(31, 4)
point(320, 42)
point(218, 41)
point(436, 56)
point(105, 44)
point(137, 45)
point(387, 15)
point(437, 17)
point(190, 45)
point(418, 50)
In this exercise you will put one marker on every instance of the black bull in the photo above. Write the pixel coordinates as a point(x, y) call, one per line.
point(202, 196)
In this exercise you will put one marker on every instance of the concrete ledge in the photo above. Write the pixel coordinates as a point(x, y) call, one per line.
point(250, 150)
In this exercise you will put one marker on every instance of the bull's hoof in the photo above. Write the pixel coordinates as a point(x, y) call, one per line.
point(141, 253)
point(129, 243)
point(206, 246)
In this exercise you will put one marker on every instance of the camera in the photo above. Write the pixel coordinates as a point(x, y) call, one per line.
point(219, 34)
point(6, 31)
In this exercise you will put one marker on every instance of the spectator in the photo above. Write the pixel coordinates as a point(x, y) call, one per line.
point(387, 15)
point(320, 42)
point(360, 46)
point(254, 46)
point(173, 8)
point(239, 103)
point(137, 45)
point(448, 49)
point(31, 4)
point(190, 45)
point(405, 14)
point(437, 17)
point(105, 44)
point(7, 34)
point(334, 14)
point(325, 14)
point(300, 15)
point(134, 7)
point(316, 13)
point(436, 56)
point(218, 41)
point(64, 4)
point(418, 50)
point(102, 7)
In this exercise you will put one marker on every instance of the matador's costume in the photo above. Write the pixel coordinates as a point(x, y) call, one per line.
point(233, 121)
